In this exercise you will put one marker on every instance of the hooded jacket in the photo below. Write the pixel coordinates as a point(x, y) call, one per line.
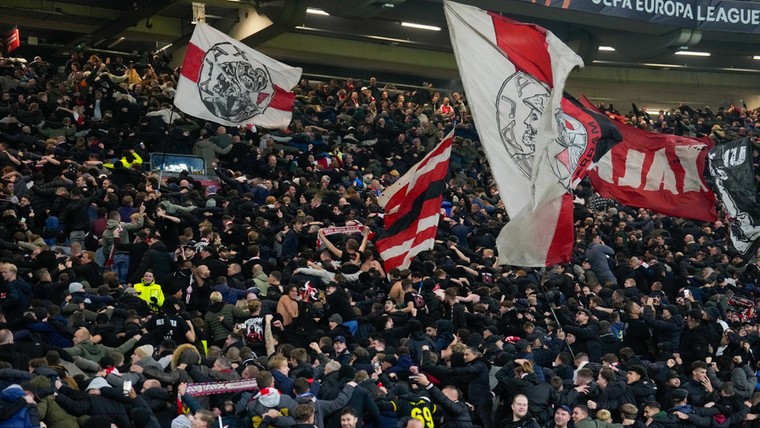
point(25, 416)
point(415, 343)
point(95, 351)
point(157, 258)
point(219, 330)
point(109, 235)
point(50, 412)
point(209, 151)
point(444, 335)
point(271, 398)
point(324, 408)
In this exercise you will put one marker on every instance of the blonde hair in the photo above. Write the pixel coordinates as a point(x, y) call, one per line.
point(604, 415)
point(276, 362)
point(215, 297)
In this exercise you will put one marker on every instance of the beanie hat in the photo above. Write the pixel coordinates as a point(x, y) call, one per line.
point(144, 351)
point(97, 383)
point(346, 372)
point(181, 421)
point(336, 318)
point(75, 287)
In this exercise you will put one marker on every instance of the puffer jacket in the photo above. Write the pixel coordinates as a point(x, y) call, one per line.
point(219, 329)
point(27, 415)
point(50, 412)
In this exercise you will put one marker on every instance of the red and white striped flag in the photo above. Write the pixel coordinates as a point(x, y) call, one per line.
point(514, 74)
point(227, 82)
point(12, 41)
point(412, 208)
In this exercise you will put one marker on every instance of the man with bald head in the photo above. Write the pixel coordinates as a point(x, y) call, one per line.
point(85, 348)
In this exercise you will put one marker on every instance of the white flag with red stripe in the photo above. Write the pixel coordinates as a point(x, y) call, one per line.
point(412, 208)
point(227, 82)
point(514, 74)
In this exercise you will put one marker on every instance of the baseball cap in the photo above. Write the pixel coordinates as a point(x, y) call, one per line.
point(339, 339)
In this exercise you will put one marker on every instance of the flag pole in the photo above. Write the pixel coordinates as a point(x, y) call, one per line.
point(166, 147)
point(554, 314)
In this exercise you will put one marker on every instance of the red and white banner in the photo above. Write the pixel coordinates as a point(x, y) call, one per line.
point(12, 41)
point(227, 82)
point(660, 172)
point(223, 387)
point(514, 75)
point(413, 207)
point(334, 230)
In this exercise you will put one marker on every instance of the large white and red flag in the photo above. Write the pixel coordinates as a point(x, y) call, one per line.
point(661, 172)
point(413, 207)
point(514, 75)
point(227, 82)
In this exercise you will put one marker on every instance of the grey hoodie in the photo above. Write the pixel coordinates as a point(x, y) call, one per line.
point(109, 235)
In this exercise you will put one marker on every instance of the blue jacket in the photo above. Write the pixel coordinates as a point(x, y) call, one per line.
point(27, 417)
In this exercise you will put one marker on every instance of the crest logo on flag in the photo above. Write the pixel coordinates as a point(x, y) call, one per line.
point(232, 85)
point(520, 104)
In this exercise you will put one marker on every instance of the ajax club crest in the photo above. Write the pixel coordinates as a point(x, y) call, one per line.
point(521, 102)
point(232, 86)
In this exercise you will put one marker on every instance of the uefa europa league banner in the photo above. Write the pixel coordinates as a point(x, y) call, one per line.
point(707, 15)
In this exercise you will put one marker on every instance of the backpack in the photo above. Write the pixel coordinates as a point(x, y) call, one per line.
point(419, 301)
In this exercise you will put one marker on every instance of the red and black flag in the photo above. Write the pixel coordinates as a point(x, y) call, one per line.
point(413, 207)
point(660, 172)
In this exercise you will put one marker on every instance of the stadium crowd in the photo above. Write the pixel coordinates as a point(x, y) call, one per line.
point(125, 291)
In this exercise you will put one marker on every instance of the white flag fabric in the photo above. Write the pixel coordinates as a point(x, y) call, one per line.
point(227, 82)
point(514, 75)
